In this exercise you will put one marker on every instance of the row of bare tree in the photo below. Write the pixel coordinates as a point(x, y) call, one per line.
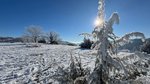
point(34, 34)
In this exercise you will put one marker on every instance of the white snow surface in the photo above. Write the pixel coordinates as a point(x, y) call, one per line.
point(18, 62)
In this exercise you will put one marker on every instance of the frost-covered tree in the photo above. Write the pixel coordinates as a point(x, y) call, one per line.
point(85, 35)
point(104, 61)
point(33, 33)
point(109, 70)
point(26, 39)
point(53, 38)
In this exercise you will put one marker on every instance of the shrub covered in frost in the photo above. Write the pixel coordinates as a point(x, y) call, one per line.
point(86, 44)
point(42, 41)
point(53, 38)
point(146, 46)
point(74, 74)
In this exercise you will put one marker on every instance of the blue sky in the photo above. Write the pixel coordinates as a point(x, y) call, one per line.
point(71, 17)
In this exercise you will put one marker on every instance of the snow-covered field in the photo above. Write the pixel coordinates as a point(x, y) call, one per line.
point(18, 63)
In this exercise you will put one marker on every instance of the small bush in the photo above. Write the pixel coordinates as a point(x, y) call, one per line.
point(54, 42)
point(42, 41)
point(86, 44)
point(71, 44)
point(74, 74)
point(146, 47)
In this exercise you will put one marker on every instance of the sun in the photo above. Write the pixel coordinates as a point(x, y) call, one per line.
point(98, 22)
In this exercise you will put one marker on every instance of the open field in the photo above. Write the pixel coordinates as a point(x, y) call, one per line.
point(18, 63)
point(18, 60)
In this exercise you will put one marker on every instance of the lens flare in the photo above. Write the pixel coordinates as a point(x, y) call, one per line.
point(98, 22)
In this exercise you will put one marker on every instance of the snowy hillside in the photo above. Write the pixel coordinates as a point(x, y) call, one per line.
point(18, 63)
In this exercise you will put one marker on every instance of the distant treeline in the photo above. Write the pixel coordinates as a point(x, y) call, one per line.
point(10, 39)
point(19, 39)
point(34, 34)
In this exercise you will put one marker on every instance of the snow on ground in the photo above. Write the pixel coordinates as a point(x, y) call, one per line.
point(18, 62)
point(140, 61)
